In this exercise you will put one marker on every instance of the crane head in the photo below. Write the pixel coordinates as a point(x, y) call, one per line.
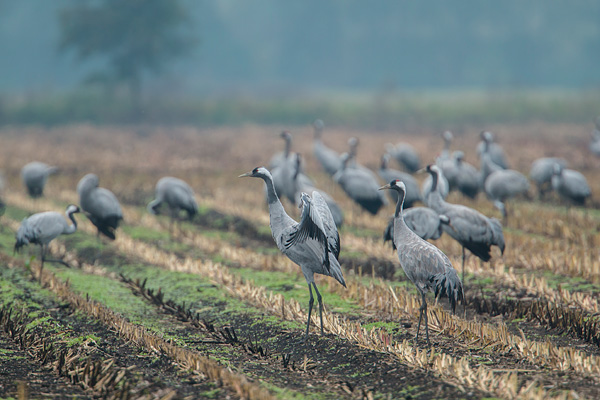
point(395, 184)
point(286, 135)
point(447, 136)
point(258, 172)
point(72, 209)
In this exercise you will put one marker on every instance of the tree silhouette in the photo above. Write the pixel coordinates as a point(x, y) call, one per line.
point(136, 37)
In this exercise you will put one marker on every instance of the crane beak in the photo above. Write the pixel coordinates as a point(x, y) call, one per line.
point(385, 187)
point(245, 175)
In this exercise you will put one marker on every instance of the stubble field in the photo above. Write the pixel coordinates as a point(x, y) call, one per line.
point(215, 311)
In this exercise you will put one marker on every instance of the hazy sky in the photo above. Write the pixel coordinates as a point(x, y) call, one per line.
point(271, 46)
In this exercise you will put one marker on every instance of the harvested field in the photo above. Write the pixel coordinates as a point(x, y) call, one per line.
point(216, 311)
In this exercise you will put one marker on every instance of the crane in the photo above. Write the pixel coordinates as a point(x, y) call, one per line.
point(177, 194)
point(34, 176)
point(503, 185)
point(405, 155)
point(467, 176)
point(282, 156)
point(313, 243)
point(42, 228)
point(360, 186)
point(473, 230)
point(571, 185)
point(488, 145)
point(541, 173)
point(100, 205)
point(329, 159)
point(427, 267)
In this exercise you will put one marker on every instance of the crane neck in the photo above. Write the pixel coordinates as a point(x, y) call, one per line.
point(73, 227)
point(400, 205)
point(288, 147)
point(434, 182)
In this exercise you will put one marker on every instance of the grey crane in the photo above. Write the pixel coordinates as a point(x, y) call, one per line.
point(405, 155)
point(282, 156)
point(488, 145)
point(329, 159)
point(503, 185)
point(360, 186)
point(467, 176)
point(427, 267)
point(35, 175)
point(100, 205)
point(413, 194)
point(42, 228)
point(487, 164)
point(427, 187)
point(301, 186)
point(313, 243)
point(177, 194)
point(284, 173)
point(473, 230)
point(541, 173)
point(447, 136)
point(423, 221)
point(570, 185)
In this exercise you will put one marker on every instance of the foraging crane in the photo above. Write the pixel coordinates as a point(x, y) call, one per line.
point(405, 155)
point(487, 145)
point(413, 194)
point(503, 185)
point(360, 186)
point(282, 156)
point(541, 173)
point(423, 221)
point(427, 267)
point(467, 176)
point(473, 230)
point(100, 205)
point(329, 159)
point(313, 243)
point(177, 194)
point(34, 176)
point(301, 186)
point(42, 228)
point(571, 185)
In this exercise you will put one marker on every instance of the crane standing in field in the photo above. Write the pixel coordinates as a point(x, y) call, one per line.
point(423, 263)
point(541, 173)
point(100, 205)
point(571, 185)
point(34, 176)
point(473, 230)
point(313, 243)
point(329, 159)
point(177, 194)
point(42, 228)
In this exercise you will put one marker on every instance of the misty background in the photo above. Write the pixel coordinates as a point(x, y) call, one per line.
point(279, 61)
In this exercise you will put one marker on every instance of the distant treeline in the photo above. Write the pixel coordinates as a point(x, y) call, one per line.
point(440, 111)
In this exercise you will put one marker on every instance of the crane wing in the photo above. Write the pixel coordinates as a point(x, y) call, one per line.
point(333, 237)
point(309, 227)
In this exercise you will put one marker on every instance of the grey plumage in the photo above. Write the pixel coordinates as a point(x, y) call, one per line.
point(360, 186)
point(413, 193)
point(541, 172)
point(405, 155)
point(42, 228)
point(503, 185)
point(427, 267)
point(301, 186)
point(495, 151)
point(283, 174)
point(177, 194)
point(329, 159)
point(423, 221)
point(100, 205)
point(282, 156)
point(571, 185)
point(34, 176)
point(473, 230)
point(467, 176)
point(594, 145)
point(313, 243)
point(427, 188)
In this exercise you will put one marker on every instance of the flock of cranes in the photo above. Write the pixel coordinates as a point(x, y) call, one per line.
point(314, 242)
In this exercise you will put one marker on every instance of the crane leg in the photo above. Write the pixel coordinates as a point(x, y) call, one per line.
point(423, 311)
point(311, 301)
point(463, 267)
point(42, 257)
point(319, 299)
